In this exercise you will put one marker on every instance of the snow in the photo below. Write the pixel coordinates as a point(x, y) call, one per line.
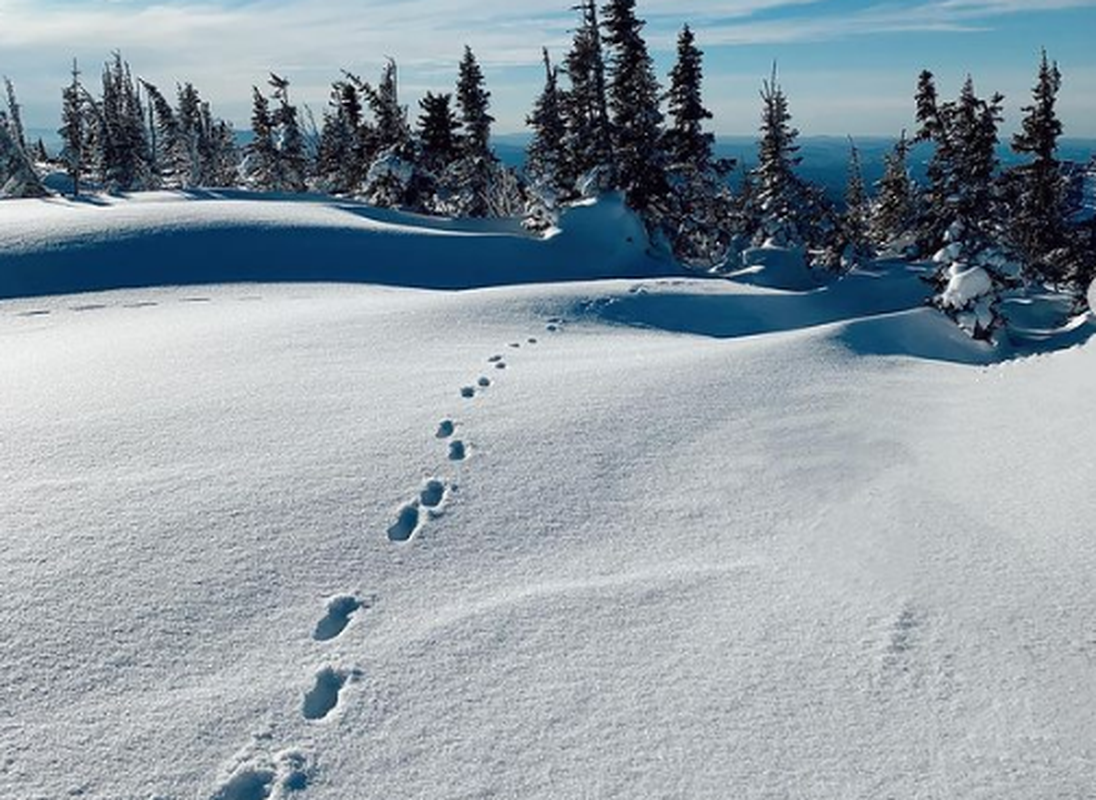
point(156, 238)
point(965, 285)
point(701, 539)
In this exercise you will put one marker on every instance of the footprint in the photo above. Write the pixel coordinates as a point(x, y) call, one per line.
point(500, 365)
point(250, 783)
point(484, 382)
point(339, 611)
point(433, 494)
point(555, 321)
point(142, 304)
point(445, 429)
point(532, 341)
point(515, 345)
point(322, 698)
point(89, 307)
point(41, 312)
point(407, 523)
point(468, 392)
point(196, 300)
point(494, 359)
point(457, 451)
point(553, 328)
point(294, 770)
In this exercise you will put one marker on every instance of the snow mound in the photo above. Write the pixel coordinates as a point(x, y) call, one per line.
point(776, 267)
point(57, 246)
point(965, 286)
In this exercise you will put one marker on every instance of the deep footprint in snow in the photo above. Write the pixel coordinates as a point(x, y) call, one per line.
point(468, 392)
point(457, 451)
point(552, 328)
point(432, 495)
point(500, 365)
point(494, 359)
point(407, 523)
point(515, 345)
point(322, 698)
point(484, 382)
point(446, 429)
point(532, 341)
point(339, 611)
point(252, 783)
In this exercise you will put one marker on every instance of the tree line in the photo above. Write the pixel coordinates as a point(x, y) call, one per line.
point(604, 122)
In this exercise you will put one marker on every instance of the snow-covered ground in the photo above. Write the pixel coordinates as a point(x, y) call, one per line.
point(683, 539)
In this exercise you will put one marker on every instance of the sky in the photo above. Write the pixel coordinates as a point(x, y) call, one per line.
point(847, 67)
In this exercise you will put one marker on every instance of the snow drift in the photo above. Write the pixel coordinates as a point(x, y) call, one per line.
point(57, 245)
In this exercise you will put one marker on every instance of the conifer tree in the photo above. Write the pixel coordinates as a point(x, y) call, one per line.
point(339, 162)
point(121, 149)
point(393, 132)
point(546, 158)
point(291, 162)
point(261, 153)
point(855, 217)
point(17, 175)
point(438, 126)
point(632, 93)
point(584, 107)
point(777, 185)
point(72, 129)
point(893, 212)
point(1037, 224)
point(699, 201)
point(40, 154)
point(15, 116)
point(469, 180)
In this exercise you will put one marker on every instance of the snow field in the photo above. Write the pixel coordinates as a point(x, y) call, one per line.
point(689, 549)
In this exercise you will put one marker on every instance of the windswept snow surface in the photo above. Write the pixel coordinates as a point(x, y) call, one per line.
point(701, 540)
point(99, 242)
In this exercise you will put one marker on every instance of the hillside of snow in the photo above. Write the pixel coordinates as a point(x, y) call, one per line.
point(626, 538)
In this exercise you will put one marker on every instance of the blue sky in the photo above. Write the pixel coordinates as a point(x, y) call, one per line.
point(848, 67)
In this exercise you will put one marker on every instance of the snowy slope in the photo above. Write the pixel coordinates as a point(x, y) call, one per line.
point(691, 539)
point(152, 239)
point(671, 565)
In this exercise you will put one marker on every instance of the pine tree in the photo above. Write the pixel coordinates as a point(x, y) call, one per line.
point(337, 169)
point(632, 92)
point(855, 217)
point(393, 132)
point(546, 158)
point(15, 116)
point(17, 175)
point(778, 187)
point(893, 212)
point(469, 180)
point(40, 154)
point(72, 129)
point(261, 153)
point(290, 160)
point(699, 201)
point(121, 153)
point(584, 107)
point(1037, 224)
point(438, 125)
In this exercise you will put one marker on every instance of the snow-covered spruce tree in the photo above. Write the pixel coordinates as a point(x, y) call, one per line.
point(632, 92)
point(261, 154)
point(439, 142)
point(699, 201)
point(340, 167)
point(72, 129)
point(392, 179)
point(15, 116)
point(289, 141)
point(893, 213)
point(17, 175)
point(962, 211)
point(588, 151)
point(467, 186)
point(546, 162)
point(39, 153)
point(855, 217)
point(121, 148)
point(777, 186)
point(1037, 225)
point(164, 140)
